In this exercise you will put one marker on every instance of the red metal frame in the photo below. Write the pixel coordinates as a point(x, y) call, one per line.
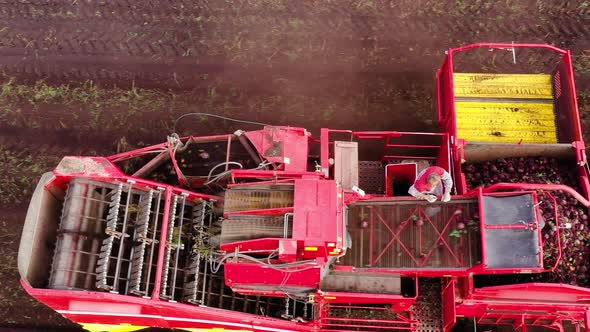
point(86, 307)
point(276, 181)
point(263, 246)
point(238, 270)
point(389, 135)
point(480, 192)
point(261, 212)
point(461, 269)
point(259, 174)
point(539, 186)
point(107, 171)
point(283, 145)
point(240, 273)
point(404, 321)
point(534, 304)
point(162, 247)
point(318, 222)
point(446, 105)
point(557, 231)
point(441, 154)
point(506, 46)
point(449, 313)
point(407, 172)
point(398, 302)
point(139, 152)
point(419, 261)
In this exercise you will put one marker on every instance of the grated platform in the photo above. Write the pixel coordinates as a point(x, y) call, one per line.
point(372, 177)
point(428, 310)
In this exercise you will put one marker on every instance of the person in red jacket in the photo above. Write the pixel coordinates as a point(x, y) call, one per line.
point(431, 182)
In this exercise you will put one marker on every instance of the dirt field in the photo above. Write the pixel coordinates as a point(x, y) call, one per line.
point(91, 77)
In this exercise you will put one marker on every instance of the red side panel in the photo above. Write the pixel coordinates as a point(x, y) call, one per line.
point(567, 114)
point(265, 279)
point(545, 300)
point(448, 304)
point(542, 292)
point(106, 308)
point(401, 174)
point(316, 212)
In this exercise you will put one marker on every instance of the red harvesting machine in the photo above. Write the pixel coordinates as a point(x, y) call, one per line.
point(274, 230)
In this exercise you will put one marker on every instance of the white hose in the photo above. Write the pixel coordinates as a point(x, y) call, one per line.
point(222, 174)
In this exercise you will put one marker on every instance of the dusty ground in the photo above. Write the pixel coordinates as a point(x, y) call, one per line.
point(88, 77)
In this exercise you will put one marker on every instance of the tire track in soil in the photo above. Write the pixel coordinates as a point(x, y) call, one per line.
point(58, 142)
point(156, 60)
point(26, 159)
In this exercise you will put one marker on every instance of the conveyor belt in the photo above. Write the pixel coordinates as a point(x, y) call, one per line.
point(506, 122)
point(509, 136)
point(505, 108)
point(525, 86)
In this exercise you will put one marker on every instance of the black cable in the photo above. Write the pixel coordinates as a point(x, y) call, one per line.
point(216, 116)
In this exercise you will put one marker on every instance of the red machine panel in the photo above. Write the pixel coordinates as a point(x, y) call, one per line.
point(285, 145)
point(316, 216)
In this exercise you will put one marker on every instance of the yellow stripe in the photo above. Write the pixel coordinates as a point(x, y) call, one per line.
point(129, 328)
point(480, 85)
point(111, 327)
point(211, 330)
